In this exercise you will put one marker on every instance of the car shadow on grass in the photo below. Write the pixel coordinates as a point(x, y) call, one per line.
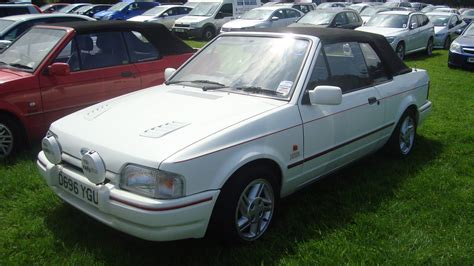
point(310, 214)
point(423, 56)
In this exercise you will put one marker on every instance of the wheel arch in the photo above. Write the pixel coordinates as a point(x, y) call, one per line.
point(21, 126)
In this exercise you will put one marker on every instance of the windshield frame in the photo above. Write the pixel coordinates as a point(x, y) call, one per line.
point(45, 57)
point(297, 81)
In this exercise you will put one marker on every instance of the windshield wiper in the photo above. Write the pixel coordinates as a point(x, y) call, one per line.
point(216, 84)
point(20, 66)
point(256, 89)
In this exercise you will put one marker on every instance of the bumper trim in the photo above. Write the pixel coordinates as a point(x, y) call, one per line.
point(138, 206)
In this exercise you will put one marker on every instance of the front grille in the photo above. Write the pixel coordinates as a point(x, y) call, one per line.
point(182, 25)
point(469, 50)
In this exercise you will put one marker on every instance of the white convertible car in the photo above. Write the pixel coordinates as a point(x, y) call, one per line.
point(251, 118)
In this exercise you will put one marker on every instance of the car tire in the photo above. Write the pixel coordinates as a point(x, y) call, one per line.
point(246, 206)
point(402, 140)
point(10, 137)
point(447, 43)
point(400, 50)
point(429, 47)
point(208, 34)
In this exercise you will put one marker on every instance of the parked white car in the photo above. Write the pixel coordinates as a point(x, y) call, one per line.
point(447, 26)
point(406, 31)
point(264, 17)
point(230, 133)
point(165, 15)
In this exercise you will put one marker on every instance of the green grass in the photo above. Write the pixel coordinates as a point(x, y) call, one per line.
point(378, 211)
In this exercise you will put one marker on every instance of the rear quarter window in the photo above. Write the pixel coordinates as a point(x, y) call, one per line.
point(139, 48)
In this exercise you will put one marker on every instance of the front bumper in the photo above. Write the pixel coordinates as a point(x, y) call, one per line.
point(146, 218)
point(187, 32)
point(461, 60)
point(424, 111)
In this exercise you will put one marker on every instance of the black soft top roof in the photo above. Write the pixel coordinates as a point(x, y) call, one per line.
point(330, 35)
point(164, 40)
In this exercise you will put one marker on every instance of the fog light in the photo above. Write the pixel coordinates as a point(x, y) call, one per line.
point(51, 149)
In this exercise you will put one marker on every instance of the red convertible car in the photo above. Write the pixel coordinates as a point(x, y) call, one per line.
point(51, 71)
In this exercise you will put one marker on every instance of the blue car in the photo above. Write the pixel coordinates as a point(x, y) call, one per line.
point(461, 52)
point(125, 10)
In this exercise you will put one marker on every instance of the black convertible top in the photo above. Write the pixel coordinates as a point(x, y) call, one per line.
point(164, 40)
point(378, 42)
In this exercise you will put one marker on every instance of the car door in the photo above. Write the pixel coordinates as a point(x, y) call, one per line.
point(335, 135)
point(224, 15)
point(413, 36)
point(100, 69)
point(426, 30)
point(280, 22)
point(291, 16)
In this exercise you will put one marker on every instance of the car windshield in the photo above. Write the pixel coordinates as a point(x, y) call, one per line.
point(205, 9)
point(442, 9)
point(388, 21)
point(257, 14)
point(317, 18)
point(83, 9)
point(68, 8)
point(439, 21)
point(428, 9)
point(468, 13)
point(118, 6)
point(370, 11)
point(155, 11)
point(356, 7)
point(469, 31)
point(4, 23)
point(229, 63)
point(391, 4)
point(30, 49)
point(324, 5)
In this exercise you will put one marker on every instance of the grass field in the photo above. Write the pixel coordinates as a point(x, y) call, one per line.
point(379, 211)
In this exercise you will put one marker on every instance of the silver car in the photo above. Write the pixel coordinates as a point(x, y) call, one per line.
point(406, 31)
point(166, 14)
point(264, 17)
point(447, 27)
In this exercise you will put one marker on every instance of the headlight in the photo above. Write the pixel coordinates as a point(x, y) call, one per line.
point(455, 47)
point(247, 28)
point(390, 39)
point(152, 182)
point(51, 148)
point(193, 25)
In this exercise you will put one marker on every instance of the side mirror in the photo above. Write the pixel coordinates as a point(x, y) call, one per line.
point(164, 15)
point(59, 69)
point(219, 15)
point(414, 25)
point(459, 31)
point(5, 44)
point(325, 95)
point(169, 72)
point(274, 18)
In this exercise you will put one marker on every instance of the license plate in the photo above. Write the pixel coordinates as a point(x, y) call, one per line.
point(470, 60)
point(179, 30)
point(78, 189)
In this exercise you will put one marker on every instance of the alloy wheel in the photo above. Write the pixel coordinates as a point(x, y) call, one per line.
point(254, 209)
point(6, 141)
point(407, 135)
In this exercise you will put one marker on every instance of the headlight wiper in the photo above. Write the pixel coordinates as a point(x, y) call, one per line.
point(256, 89)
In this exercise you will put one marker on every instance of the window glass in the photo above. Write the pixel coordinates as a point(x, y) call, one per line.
point(374, 64)
point(291, 13)
point(279, 14)
point(303, 8)
point(320, 73)
point(347, 66)
point(139, 47)
point(69, 55)
point(226, 10)
point(102, 49)
point(17, 11)
point(352, 17)
point(340, 19)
